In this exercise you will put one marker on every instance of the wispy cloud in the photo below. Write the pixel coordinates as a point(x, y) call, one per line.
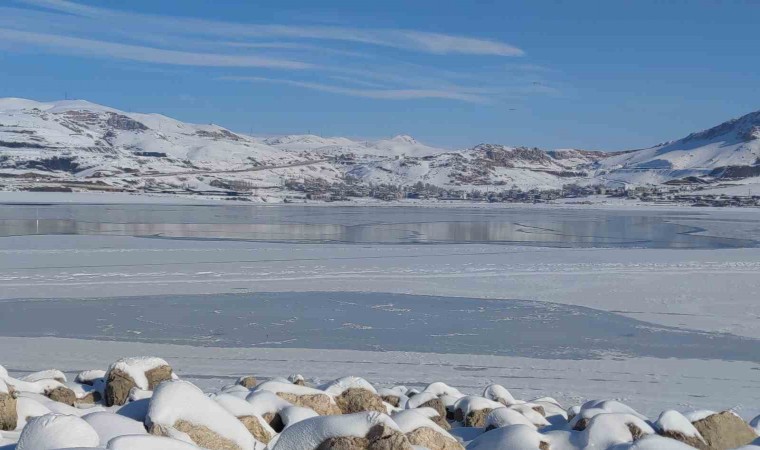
point(436, 43)
point(378, 63)
point(384, 94)
point(80, 46)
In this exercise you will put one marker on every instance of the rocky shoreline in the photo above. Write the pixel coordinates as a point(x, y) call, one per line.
point(141, 404)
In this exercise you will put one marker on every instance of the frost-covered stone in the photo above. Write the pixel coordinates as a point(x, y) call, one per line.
point(8, 407)
point(322, 403)
point(675, 425)
point(63, 395)
point(147, 442)
point(57, 431)
point(144, 372)
point(361, 431)
point(522, 437)
point(179, 408)
point(534, 413)
point(248, 415)
point(608, 429)
point(504, 417)
point(472, 410)
point(248, 381)
point(422, 431)
point(49, 374)
point(298, 379)
point(354, 400)
point(109, 425)
point(89, 377)
point(27, 409)
point(592, 408)
point(725, 430)
point(498, 393)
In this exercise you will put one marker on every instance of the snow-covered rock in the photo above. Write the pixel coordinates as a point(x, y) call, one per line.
point(49, 374)
point(725, 430)
point(498, 393)
point(57, 431)
point(147, 442)
point(307, 397)
point(248, 381)
point(248, 415)
point(472, 410)
point(180, 409)
point(352, 431)
point(423, 432)
point(523, 437)
point(8, 407)
point(109, 425)
point(676, 426)
point(504, 417)
point(141, 372)
point(89, 377)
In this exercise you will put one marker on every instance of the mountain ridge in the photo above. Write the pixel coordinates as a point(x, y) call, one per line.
point(78, 140)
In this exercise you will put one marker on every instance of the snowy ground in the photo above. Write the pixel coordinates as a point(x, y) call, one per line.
point(706, 291)
point(647, 384)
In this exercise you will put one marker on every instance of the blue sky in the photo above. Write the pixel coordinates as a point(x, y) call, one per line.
point(602, 75)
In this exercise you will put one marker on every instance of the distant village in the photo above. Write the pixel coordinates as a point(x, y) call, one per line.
point(681, 193)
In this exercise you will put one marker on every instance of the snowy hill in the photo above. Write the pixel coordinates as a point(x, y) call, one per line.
point(729, 150)
point(77, 141)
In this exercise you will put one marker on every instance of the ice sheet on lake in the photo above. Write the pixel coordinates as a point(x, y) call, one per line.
point(368, 321)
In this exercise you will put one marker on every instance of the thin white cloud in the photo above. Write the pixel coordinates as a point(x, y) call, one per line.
point(427, 42)
point(380, 94)
point(89, 47)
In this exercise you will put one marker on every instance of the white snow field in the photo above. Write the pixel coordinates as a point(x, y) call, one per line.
point(666, 323)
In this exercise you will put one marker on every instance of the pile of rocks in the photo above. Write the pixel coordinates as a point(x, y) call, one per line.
point(141, 404)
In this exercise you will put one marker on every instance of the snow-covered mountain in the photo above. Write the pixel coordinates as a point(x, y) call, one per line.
point(82, 141)
point(729, 150)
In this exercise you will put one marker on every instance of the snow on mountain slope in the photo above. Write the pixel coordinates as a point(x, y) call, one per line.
point(75, 140)
point(716, 152)
point(79, 140)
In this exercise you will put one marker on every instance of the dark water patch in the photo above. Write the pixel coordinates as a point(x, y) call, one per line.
point(368, 321)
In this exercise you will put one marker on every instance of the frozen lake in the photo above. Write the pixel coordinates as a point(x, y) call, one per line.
point(386, 225)
point(369, 321)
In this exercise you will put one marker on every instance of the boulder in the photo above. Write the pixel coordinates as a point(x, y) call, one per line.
point(63, 395)
point(437, 405)
point(297, 379)
point(180, 408)
point(257, 429)
point(355, 400)
point(56, 431)
point(125, 374)
point(89, 377)
point(477, 418)
point(8, 407)
point(201, 435)
point(432, 440)
point(393, 400)
point(724, 430)
point(49, 374)
point(379, 437)
point(674, 425)
point(322, 404)
point(249, 381)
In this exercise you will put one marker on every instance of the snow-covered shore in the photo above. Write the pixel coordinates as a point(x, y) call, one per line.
point(435, 402)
